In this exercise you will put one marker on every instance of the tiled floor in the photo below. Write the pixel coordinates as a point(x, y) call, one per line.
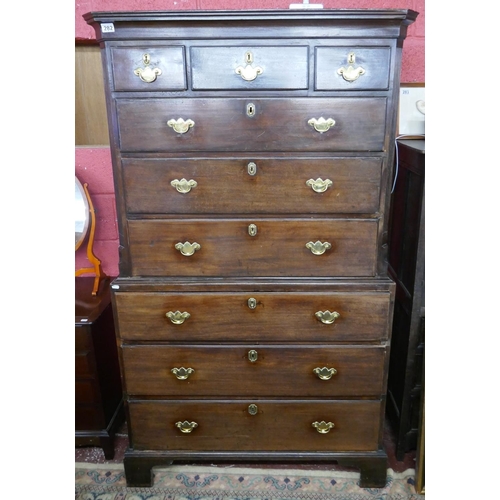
point(95, 455)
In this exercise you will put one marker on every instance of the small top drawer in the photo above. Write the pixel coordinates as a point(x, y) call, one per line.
point(148, 68)
point(249, 68)
point(352, 68)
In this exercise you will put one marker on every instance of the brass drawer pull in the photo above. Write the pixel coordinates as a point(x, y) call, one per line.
point(319, 185)
point(318, 248)
point(183, 185)
point(181, 126)
point(350, 74)
point(147, 74)
point(325, 373)
point(249, 73)
point(177, 317)
point(187, 248)
point(186, 427)
point(252, 355)
point(323, 427)
point(327, 317)
point(182, 373)
point(321, 125)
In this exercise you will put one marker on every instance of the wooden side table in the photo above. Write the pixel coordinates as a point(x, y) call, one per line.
point(407, 268)
point(98, 391)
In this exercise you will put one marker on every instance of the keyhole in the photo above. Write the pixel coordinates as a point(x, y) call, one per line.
point(250, 109)
point(351, 58)
point(146, 59)
point(248, 57)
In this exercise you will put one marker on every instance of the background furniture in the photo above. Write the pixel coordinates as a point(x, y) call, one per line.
point(253, 304)
point(407, 268)
point(98, 391)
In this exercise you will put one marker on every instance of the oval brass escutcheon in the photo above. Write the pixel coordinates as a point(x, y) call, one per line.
point(252, 230)
point(250, 109)
point(252, 168)
point(252, 355)
point(253, 409)
point(252, 303)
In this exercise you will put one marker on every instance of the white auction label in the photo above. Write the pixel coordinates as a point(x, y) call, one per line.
point(107, 28)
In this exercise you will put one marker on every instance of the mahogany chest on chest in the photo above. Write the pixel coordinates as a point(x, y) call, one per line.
point(252, 155)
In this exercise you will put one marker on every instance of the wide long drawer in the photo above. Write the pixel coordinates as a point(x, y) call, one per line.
point(255, 425)
point(264, 370)
point(253, 247)
point(260, 124)
point(252, 185)
point(250, 317)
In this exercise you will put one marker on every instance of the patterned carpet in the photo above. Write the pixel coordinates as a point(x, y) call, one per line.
point(183, 482)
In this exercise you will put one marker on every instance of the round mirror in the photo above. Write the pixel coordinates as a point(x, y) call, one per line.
point(82, 214)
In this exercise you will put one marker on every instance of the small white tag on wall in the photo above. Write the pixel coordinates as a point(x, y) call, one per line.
point(107, 28)
point(306, 5)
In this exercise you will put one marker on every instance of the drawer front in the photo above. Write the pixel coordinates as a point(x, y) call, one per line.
point(244, 317)
point(274, 125)
point(148, 68)
point(352, 68)
point(277, 425)
point(279, 370)
point(252, 185)
point(250, 68)
point(278, 248)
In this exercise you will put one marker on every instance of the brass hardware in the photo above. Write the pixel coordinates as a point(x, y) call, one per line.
point(325, 373)
point(252, 230)
point(250, 109)
point(182, 373)
point(180, 125)
point(252, 168)
point(318, 248)
point(252, 355)
point(249, 73)
point(350, 74)
point(183, 185)
point(321, 125)
point(187, 248)
point(327, 317)
point(186, 427)
point(147, 74)
point(253, 409)
point(319, 185)
point(177, 318)
point(252, 303)
point(323, 427)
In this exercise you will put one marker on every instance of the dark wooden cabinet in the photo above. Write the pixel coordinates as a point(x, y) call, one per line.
point(252, 162)
point(98, 391)
point(407, 268)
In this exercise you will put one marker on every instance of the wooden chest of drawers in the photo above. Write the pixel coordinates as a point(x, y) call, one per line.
point(252, 156)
